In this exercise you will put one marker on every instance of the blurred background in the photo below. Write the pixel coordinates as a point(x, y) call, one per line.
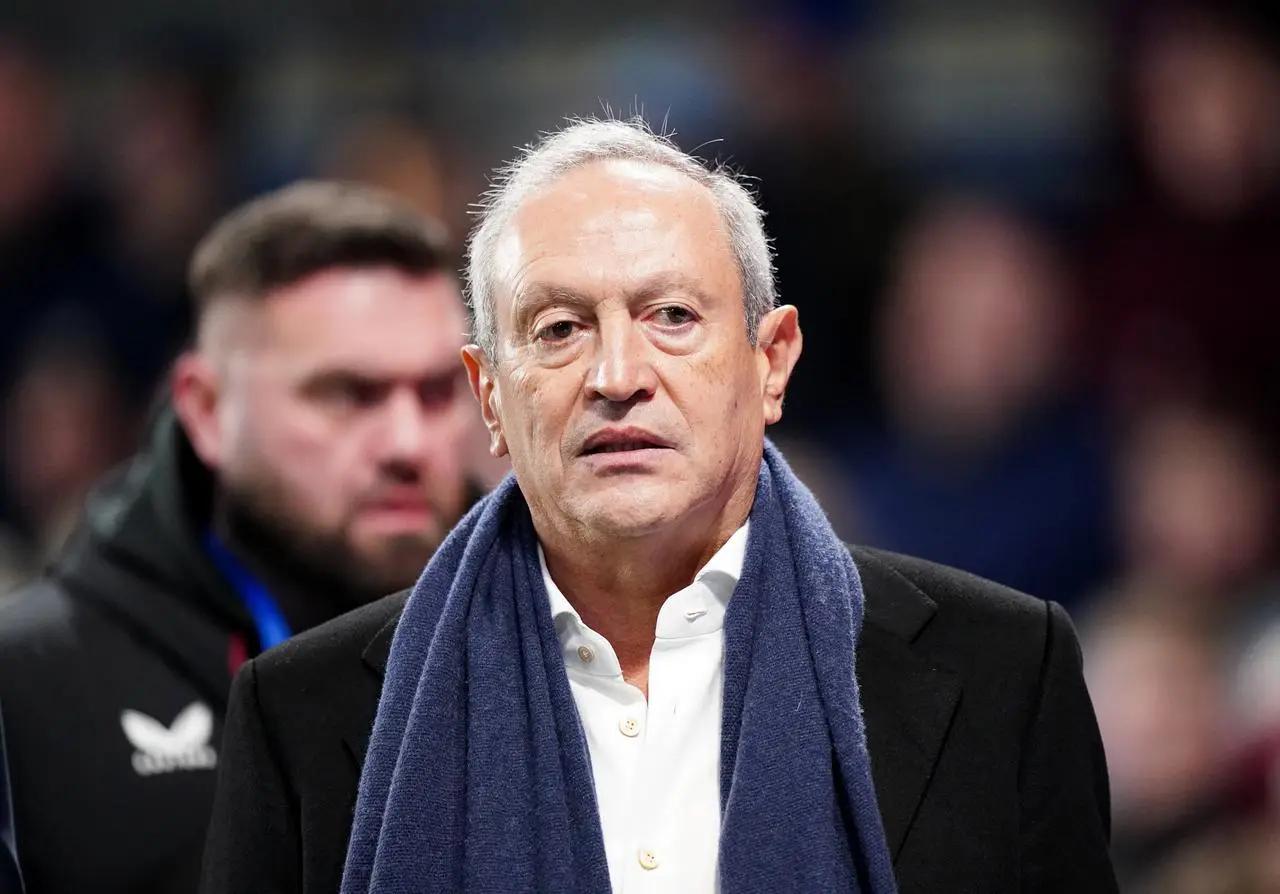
point(1035, 245)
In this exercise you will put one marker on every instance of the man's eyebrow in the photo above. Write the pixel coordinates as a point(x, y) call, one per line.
point(543, 293)
point(664, 284)
point(539, 295)
point(340, 373)
point(535, 297)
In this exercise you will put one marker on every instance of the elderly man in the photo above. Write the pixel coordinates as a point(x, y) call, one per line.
point(632, 666)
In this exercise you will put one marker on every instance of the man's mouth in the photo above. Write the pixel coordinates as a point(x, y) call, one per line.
point(619, 448)
point(621, 440)
point(401, 502)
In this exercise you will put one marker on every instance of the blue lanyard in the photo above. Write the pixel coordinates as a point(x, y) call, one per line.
point(273, 629)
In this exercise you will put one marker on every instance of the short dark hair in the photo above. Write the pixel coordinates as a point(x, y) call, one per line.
point(283, 237)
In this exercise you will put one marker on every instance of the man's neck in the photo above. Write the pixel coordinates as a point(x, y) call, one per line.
point(303, 604)
point(618, 587)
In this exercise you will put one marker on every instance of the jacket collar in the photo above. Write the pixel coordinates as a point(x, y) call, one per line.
point(908, 700)
point(378, 650)
point(148, 518)
point(136, 556)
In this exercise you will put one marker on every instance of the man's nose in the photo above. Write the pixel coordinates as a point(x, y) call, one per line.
point(621, 369)
point(406, 429)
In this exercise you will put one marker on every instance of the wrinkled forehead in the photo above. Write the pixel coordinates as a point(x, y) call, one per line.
point(611, 220)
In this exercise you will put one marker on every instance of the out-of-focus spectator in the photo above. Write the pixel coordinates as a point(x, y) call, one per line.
point(833, 215)
point(1197, 512)
point(106, 261)
point(29, 150)
point(1174, 653)
point(987, 461)
point(51, 265)
point(1196, 807)
point(166, 176)
point(1159, 687)
point(392, 153)
point(1204, 84)
point(68, 423)
point(1185, 278)
point(309, 461)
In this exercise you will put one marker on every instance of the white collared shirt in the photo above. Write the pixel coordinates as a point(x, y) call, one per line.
point(657, 764)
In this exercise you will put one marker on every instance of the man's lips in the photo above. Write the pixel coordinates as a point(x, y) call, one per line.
point(402, 505)
point(619, 440)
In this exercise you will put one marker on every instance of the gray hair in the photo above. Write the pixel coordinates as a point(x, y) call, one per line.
point(580, 143)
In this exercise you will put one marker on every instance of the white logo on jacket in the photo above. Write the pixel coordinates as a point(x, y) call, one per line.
point(164, 749)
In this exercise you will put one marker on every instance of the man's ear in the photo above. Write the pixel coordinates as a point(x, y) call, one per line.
point(196, 392)
point(485, 388)
point(778, 346)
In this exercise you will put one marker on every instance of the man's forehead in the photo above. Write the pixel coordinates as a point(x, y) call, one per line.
point(603, 193)
point(416, 323)
point(599, 205)
point(350, 360)
point(351, 303)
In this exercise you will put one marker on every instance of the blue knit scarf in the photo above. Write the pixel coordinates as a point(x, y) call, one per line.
point(478, 779)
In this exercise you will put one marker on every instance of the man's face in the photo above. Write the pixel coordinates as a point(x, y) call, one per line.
point(341, 421)
point(625, 386)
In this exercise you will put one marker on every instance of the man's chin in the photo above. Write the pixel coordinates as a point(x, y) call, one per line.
point(628, 518)
point(393, 565)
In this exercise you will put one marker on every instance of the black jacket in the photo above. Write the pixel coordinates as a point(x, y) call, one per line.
point(114, 675)
point(984, 749)
point(10, 874)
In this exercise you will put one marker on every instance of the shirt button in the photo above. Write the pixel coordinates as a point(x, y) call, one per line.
point(629, 727)
point(585, 654)
point(648, 859)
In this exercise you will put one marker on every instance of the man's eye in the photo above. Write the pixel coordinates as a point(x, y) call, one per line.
point(439, 392)
point(355, 393)
point(557, 331)
point(674, 315)
point(343, 392)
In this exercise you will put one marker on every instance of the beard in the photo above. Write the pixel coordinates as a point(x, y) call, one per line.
point(324, 565)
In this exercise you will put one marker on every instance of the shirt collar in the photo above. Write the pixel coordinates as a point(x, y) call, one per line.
point(720, 575)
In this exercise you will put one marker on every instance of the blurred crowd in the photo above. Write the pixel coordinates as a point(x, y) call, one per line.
point(1049, 360)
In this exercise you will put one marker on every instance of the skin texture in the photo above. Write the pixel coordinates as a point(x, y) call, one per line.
point(333, 413)
point(619, 307)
